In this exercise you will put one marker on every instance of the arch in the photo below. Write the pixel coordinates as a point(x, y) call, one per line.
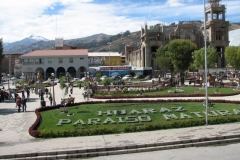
point(49, 71)
point(72, 71)
point(82, 71)
point(60, 72)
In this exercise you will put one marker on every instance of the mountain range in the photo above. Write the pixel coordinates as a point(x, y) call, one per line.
point(94, 43)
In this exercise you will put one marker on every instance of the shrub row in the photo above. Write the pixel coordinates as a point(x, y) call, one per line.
point(181, 123)
point(78, 132)
point(116, 96)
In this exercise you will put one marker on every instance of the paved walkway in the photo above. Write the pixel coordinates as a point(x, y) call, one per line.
point(14, 137)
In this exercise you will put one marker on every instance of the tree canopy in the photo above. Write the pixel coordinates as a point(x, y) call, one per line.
point(232, 55)
point(199, 58)
point(164, 61)
point(180, 51)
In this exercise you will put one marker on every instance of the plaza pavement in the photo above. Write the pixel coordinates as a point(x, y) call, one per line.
point(16, 142)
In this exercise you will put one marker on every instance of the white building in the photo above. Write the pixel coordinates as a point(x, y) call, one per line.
point(59, 62)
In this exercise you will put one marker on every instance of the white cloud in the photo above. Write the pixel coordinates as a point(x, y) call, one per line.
point(174, 3)
point(81, 18)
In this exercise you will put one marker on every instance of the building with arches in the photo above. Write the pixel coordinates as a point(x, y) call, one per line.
point(159, 35)
point(60, 62)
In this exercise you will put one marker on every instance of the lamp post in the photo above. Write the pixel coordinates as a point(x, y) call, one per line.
point(23, 80)
point(109, 43)
point(8, 76)
point(53, 78)
point(205, 50)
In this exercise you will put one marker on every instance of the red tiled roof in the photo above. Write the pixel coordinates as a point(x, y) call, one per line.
point(72, 52)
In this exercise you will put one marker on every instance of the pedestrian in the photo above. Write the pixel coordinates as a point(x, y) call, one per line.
point(41, 95)
point(39, 92)
point(46, 92)
point(50, 99)
point(28, 94)
point(80, 85)
point(19, 103)
point(62, 101)
point(71, 90)
point(23, 94)
point(24, 104)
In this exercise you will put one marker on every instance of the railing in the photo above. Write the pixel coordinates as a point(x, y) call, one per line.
point(39, 62)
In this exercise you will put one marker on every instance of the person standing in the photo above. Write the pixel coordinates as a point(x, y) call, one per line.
point(50, 99)
point(24, 104)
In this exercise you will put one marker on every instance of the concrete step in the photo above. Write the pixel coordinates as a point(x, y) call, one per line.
point(114, 150)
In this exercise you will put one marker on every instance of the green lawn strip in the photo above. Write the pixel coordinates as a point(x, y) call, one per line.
point(187, 90)
point(50, 118)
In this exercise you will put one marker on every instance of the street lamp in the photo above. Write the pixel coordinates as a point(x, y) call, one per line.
point(205, 50)
point(53, 78)
point(109, 43)
point(8, 75)
point(23, 80)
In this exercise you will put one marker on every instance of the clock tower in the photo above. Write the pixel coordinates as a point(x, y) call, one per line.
point(217, 29)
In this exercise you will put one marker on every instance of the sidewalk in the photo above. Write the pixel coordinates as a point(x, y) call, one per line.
point(14, 137)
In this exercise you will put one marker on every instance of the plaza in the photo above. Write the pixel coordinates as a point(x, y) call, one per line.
point(16, 141)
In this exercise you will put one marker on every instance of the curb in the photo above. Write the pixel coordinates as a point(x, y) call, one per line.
point(116, 150)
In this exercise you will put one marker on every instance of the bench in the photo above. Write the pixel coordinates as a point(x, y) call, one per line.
point(69, 100)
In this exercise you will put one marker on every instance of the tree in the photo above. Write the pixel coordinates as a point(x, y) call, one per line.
point(199, 58)
point(232, 55)
point(163, 60)
point(1, 58)
point(180, 51)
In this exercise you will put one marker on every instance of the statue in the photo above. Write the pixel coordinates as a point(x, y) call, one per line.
point(39, 77)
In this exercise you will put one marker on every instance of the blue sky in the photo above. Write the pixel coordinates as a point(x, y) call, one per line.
point(80, 18)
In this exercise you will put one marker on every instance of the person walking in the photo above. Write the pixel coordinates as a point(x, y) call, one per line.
point(19, 103)
point(46, 92)
point(28, 94)
point(24, 104)
point(23, 94)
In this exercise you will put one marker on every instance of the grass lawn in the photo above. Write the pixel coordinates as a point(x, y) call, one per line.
point(137, 114)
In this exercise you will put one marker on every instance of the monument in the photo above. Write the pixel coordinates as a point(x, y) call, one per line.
point(39, 84)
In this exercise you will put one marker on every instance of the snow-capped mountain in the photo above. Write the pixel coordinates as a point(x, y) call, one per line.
point(24, 42)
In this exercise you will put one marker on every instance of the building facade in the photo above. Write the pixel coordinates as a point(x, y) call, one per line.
point(11, 64)
point(160, 35)
point(59, 62)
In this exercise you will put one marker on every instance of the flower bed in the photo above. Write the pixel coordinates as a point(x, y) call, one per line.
point(93, 131)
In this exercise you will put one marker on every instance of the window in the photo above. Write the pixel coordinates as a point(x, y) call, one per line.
point(70, 60)
point(49, 60)
point(60, 60)
point(81, 58)
point(31, 61)
point(39, 61)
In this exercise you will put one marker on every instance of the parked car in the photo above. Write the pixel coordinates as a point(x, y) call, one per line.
point(116, 77)
point(75, 79)
point(139, 76)
point(103, 77)
point(127, 77)
point(13, 78)
point(149, 77)
point(168, 75)
point(83, 79)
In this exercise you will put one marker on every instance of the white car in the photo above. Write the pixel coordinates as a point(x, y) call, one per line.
point(13, 78)
point(127, 77)
point(103, 77)
point(75, 80)
point(83, 79)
